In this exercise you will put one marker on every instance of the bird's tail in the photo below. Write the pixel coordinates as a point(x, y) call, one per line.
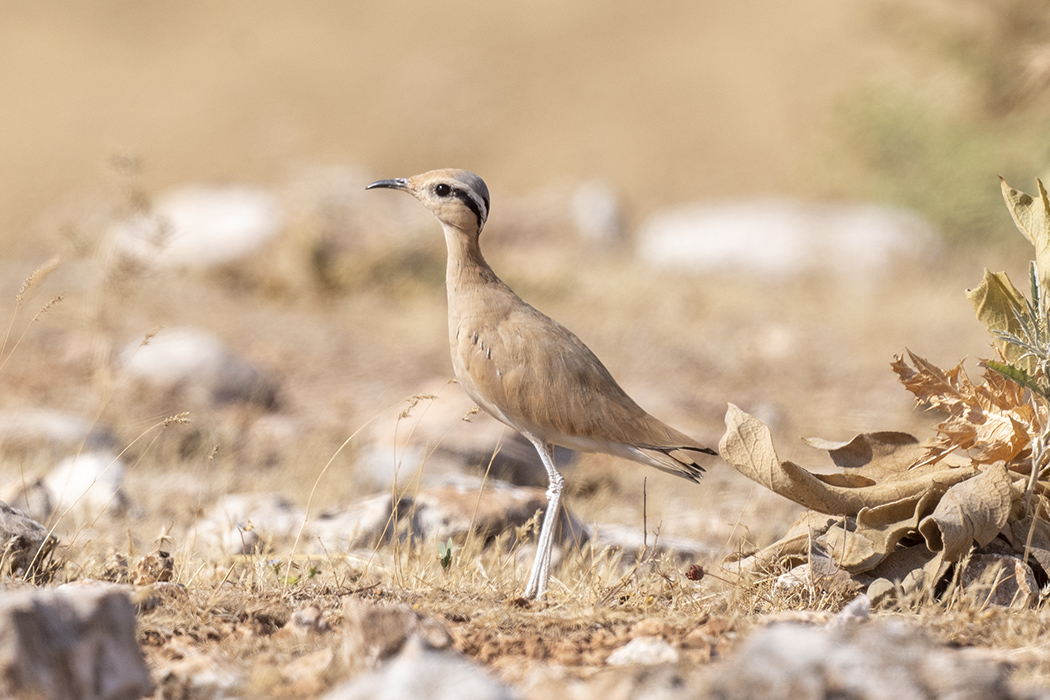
point(680, 460)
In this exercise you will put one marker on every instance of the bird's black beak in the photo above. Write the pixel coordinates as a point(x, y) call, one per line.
point(399, 183)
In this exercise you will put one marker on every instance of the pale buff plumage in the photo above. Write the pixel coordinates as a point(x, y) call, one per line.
point(528, 370)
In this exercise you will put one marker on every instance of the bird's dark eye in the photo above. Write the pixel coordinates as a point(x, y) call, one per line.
point(442, 190)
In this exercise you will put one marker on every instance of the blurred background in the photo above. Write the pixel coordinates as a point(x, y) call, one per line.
point(667, 103)
point(752, 202)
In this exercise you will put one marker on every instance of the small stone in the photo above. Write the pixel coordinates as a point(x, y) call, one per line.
point(308, 620)
point(158, 594)
point(199, 364)
point(1000, 580)
point(374, 632)
point(882, 592)
point(798, 578)
point(115, 568)
point(418, 672)
point(201, 226)
point(858, 610)
point(644, 651)
point(597, 214)
point(153, 567)
point(914, 582)
point(194, 675)
point(91, 483)
point(364, 523)
point(29, 428)
point(25, 545)
point(75, 643)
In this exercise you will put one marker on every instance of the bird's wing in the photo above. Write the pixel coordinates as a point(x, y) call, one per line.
point(542, 377)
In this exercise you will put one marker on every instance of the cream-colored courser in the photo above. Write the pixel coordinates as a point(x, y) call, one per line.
point(528, 370)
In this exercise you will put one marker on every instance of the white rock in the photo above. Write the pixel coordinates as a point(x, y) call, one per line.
point(196, 675)
point(202, 226)
point(198, 362)
point(238, 522)
point(858, 610)
point(869, 661)
point(631, 540)
point(1001, 580)
point(56, 429)
point(75, 642)
point(363, 523)
point(451, 510)
point(645, 651)
point(596, 212)
point(374, 632)
point(91, 483)
point(784, 237)
point(25, 543)
point(443, 436)
point(418, 672)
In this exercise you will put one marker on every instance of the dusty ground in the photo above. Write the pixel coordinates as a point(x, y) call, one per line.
point(668, 104)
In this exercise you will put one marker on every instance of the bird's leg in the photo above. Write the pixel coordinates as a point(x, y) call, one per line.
point(537, 585)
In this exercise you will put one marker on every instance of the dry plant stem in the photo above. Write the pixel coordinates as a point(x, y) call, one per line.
point(43, 310)
point(645, 513)
point(35, 278)
point(395, 498)
point(178, 418)
point(484, 481)
point(412, 401)
point(1039, 451)
point(309, 501)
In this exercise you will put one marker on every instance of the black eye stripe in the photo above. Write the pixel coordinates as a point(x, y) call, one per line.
point(472, 204)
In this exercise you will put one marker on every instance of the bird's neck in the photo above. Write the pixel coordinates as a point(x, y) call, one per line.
point(467, 270)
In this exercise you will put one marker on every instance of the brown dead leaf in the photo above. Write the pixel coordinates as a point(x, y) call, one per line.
point(748, 447)
point(852, 550)
point(991, 420)
point(846, 480)
point(793, 545)
point(886, 525)
point(901, 562)
point(972, 511)
point(873, 454)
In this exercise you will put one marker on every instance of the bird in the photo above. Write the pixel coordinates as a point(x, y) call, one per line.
point(529, 371)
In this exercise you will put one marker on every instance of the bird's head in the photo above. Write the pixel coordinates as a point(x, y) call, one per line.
point(458, 198)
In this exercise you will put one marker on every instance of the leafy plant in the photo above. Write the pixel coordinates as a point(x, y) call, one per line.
point(900, 506)
point(445, 552)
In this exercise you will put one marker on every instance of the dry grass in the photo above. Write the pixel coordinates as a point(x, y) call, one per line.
point(830, 381)
point(351, 339)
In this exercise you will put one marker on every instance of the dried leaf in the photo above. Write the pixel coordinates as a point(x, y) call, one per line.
point(748, 447)
point(795, 544)
point(1032, 216)
point(846, 480)
point(901, 562)
point(886, 525)
point(873, 455)
point(992, 420)
point(852, 550)
point(821, 563)
point(994, 302)
point(972, 511)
